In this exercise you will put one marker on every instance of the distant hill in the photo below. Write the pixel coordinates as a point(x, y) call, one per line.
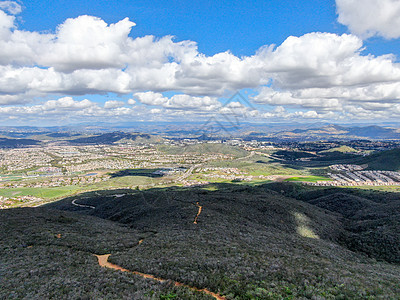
point(384, 160)
point(293, 155)
point(374, 132)
point(16, 143)
point(62, 134)
point(342, 149)
point(340, 132)
point(113, 137)
point(204, 148)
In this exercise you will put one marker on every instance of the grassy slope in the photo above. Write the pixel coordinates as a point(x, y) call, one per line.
point(309, 179)
point(342, 149)
point(51, 193)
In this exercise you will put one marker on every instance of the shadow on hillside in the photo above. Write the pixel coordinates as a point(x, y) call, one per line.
point(228, 210)
point(361, 220)
point(153, 173)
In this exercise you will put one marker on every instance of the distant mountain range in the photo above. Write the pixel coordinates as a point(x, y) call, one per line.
point(112, 137)
point(340, 132)
point(151, 133)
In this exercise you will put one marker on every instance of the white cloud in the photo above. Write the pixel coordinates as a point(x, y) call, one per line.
point(316, 72)
point(67, 103)
point(280, 113)
point(113, 104)
point(178, 101)
point(369, 18)
point(326, 72)
point(324, 60)
point(88, 42)
point(67, 109)
point(11, 6)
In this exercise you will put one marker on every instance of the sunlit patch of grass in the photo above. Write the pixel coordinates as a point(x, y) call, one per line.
point(305, 231)
point(302, 226)
point(309, 178)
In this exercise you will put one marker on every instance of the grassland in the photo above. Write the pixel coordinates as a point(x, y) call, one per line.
point(309, 179)
point(53, 193)
point(342, 149)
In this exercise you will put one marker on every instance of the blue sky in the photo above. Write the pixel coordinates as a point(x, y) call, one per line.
point(239, 26)
point(217, 26)
point(65, 62)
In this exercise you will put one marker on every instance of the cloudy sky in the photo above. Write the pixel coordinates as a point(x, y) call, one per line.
point(65, 62)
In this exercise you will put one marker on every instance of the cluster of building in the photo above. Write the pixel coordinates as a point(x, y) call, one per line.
point(25, 158)
point(228, 171)
point(354, 175)
point(6, 202)
point(55, 182)
point(75, 159)
point(341, 167)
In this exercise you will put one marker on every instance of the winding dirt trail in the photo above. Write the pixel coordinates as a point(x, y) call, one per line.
point(82, 205)
point(103, 262)
point(198, 213)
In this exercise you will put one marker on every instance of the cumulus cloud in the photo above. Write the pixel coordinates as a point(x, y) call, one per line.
point(316, 73)
point(369, 18)
point(131, 101)
point(327, 72)
point(179, 101)
point(325, 60)
point(67, 109)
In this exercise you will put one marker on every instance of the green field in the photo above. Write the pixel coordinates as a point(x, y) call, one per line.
point(342, 149)
point(54, 193)
point(309, 179)
point(46, 193)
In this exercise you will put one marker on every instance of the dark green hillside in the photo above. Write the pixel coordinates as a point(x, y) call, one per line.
point(109, 138)
point(388, 160)
point(249, 243)
point(384, 160)
point(47, 254)
point(371, 219)
point(263, 242)
point(292, 155)
point(16, 143)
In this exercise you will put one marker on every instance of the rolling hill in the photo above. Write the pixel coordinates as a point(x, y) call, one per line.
point(274, 241)
point(333, 132)
point(384, 160)
point(114, 137)
point(16, 143)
